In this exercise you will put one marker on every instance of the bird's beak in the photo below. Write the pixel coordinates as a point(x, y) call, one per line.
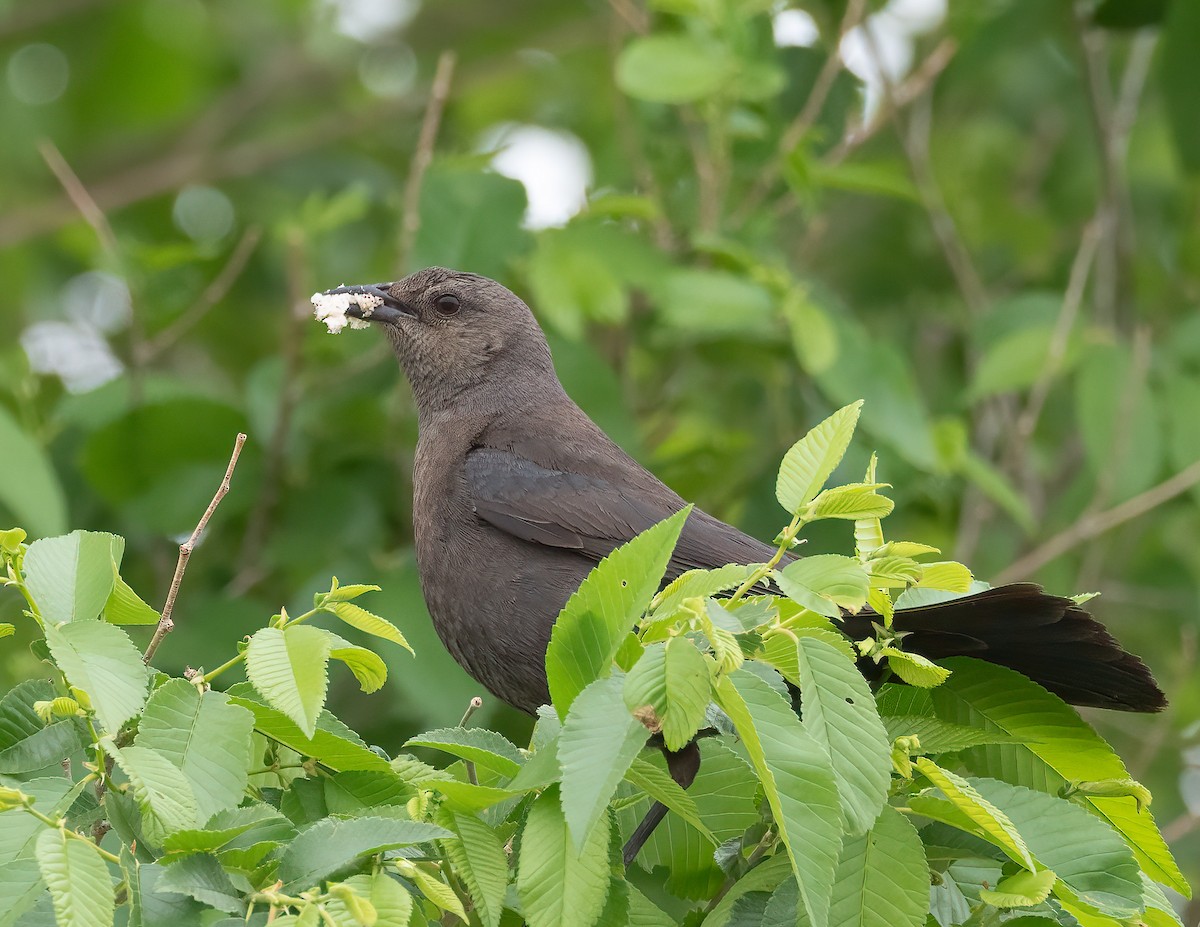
point(393, 310)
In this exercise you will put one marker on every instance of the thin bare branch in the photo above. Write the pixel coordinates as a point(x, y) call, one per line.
point(78, 195)
point(213, 294)
point(803, 123)
point(410, 222)
point(1097, 523)
point(635, 18)
point(35, 15)
point(166, 622)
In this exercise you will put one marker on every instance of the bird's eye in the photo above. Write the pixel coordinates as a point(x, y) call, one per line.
point(446, 305)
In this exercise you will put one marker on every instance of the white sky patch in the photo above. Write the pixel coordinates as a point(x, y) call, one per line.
point(795, 28)
point(370, 20)
point(554, 166)
point(73, 351)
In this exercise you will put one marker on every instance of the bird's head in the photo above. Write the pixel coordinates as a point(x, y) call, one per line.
point(454, 332)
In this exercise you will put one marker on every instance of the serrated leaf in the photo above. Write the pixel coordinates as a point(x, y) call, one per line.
point(825, 583)
point(100, 659)
point(598, 742)
point(1087, 855)
point(366, 665)
point(358, 617)
point(659, 785)
point(70, 577)
point(811, 460)
point(894, 572)
point(986, 820)
point(868, 531)
point(333, 744)
point(672, 678)
point(596, 619)
point(163, 794)
point(202, 878)
point(947, 575)
point(254, 823)
point(1057, 747)
point(30, 489)
point(558, 886)
point(713, 618)
point(290, 669)
point(840, 714)
point(797, 780)
point(851, 502)
point(479, 861)
point(437, 891)
point(487, 748)
point(340, 593)
point(700, 584)
point(882, 879)
point(21, 887)
point(937, 736)
point(124, 606)
point(1020, 890)
point(205, 736)
point(333, 845)
point(80, 887)
point(44, 748)
point(915, 669)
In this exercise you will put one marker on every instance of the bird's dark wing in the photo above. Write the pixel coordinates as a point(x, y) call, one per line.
point(592, 515)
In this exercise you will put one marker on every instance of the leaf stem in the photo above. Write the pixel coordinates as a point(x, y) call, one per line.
point(60, 826)
point(764, 570)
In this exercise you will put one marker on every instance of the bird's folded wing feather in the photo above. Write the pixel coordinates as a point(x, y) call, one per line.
point(592, 515)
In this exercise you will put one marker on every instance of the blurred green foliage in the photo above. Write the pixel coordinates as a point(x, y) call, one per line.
point(1001, 254)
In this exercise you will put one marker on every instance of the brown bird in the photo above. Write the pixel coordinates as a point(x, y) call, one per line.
point(517, 495)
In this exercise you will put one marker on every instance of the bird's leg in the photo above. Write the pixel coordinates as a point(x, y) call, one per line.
point(683, 766)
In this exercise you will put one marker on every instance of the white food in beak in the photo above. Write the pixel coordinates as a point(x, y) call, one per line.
point(331, 309)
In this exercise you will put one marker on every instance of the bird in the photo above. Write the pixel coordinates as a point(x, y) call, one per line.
point(518, 494)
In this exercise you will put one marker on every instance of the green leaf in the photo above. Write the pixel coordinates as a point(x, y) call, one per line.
point(598, 616)
point(366, 665)
point(672, 678)
point(333, 744)
point(894, 572)
point(1087, 855)
point(558, 886)
point(1180, 70)
point(1020, 890)
point(205, 736)
point(947, 575)
point(798, 782)
point(814, 339)
point(163, 794)
point(78, 879)
point(598, 742)
point(812, 459)
point(659, 785)
point(940, 736)
point(21, 887)
point(850, 502)
point(982, 817)
point(825, 583)
point(333, 845)
point(390, 902)
point(1015, 361)
point(882, 878)
point(765, 877)
point(18, 830)
point(699, 584)
point(915, 669)
point(43, 748)
point(360, 618)
point(1056, 747)
point(101, 660)
point(839, 712)
point(480, 746)
point(200, 877)
point(434, 889)
point(672, 68)
point(339, 593)
point(30, 489)
point(70, 577)
point(290, 668)
point(477, 856)
point(124, 606)
point(256, 823)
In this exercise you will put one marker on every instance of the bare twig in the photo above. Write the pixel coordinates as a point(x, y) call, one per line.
point(635, 18)
point(803, 123)
point(410, 222)
point(1093, 524)
point(166, 623)
point(472, 706)
point(213, 294)
point(1057, 351)
point(34, 15)
point(78, 195)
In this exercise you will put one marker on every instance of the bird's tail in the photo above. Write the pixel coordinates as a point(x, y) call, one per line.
point(1050, 639)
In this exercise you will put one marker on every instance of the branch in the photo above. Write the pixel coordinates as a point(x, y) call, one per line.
point(78, 195)
point(1097, 523)
point(410, 222)
point(165, 623)
point(36, 15)
point(213, 294)
point(803, 123)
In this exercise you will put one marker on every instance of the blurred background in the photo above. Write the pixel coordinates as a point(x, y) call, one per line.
point(731, 216)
